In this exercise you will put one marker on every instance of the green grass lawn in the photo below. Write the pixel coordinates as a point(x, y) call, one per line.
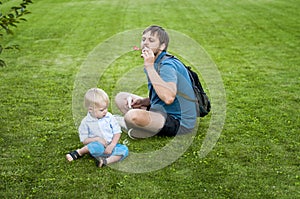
point(255, 46)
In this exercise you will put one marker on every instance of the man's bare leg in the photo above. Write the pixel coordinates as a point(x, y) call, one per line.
point(121, 101)
point(144, 123)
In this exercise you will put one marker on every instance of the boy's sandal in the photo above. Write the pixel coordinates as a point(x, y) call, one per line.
point(101, 162)
point(75, 155)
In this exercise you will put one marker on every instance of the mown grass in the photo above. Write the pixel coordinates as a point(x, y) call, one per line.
point(255, 45)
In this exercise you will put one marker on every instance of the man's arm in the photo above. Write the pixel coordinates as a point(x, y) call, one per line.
point(165, 90)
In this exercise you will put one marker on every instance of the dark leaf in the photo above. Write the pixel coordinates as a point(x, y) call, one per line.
point(4, 26)
point(2, 63)
point(16, 7)
point(9, 32)
point(11, 15)
point(17, 47)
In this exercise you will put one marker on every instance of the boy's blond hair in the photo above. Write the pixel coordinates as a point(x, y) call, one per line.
point(95, 97)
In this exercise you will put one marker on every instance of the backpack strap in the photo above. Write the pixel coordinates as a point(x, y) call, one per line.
point(167, 56)
point(186, 97)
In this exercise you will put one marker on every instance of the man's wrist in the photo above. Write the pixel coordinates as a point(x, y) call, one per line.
point(149, 66)
point(145, 101)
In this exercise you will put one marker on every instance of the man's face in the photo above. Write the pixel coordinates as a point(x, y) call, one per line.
point(151, 41)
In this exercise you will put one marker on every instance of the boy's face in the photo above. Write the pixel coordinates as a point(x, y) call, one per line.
point(151, 41)
point(98, 111)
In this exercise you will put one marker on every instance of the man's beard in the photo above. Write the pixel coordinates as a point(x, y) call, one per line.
point(155, 51)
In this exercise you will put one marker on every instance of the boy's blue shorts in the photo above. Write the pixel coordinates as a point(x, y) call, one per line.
point(96, 149)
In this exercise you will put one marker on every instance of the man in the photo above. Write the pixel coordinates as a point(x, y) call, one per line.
point(164, 112)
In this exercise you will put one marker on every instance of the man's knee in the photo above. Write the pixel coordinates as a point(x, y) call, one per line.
point(135, 116)
point(120, 96)
point(131, 116)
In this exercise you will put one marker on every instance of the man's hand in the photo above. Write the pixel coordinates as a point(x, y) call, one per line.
point(140, 102)
point(149, 57)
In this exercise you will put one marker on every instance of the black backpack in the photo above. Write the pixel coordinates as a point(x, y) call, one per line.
point(202, 101)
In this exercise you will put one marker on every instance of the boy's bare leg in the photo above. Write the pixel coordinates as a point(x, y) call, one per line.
point(81, 152)
point(113, 159)
point(109, 160)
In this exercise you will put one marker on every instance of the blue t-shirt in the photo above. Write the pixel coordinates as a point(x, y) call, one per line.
point(172, 70)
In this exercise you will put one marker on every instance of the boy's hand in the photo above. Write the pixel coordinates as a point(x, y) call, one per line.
point(102, 141)
point(109, 149)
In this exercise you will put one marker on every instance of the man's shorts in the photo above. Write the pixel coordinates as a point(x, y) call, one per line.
point(171, 126)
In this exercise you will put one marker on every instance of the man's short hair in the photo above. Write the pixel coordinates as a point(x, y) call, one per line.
point(161, 33)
